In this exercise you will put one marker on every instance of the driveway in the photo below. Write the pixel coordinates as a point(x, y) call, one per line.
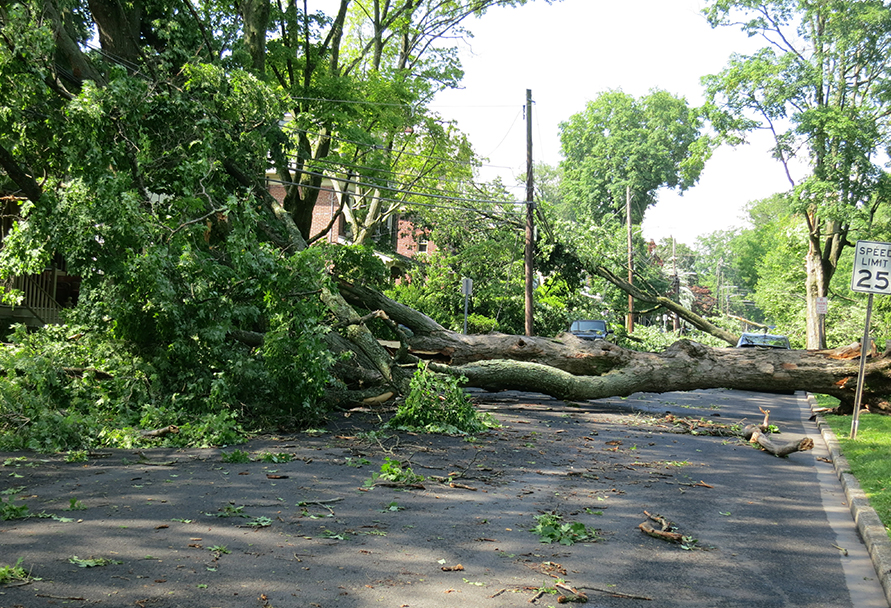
point(311, 525)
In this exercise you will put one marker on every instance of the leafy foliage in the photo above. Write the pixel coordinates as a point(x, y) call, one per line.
point(153, 149)
point(10, 575)
point(819, 86)
point(551, 528)
point(437, 404)
point(8, 510)
point(395, 471)
point(620, 142)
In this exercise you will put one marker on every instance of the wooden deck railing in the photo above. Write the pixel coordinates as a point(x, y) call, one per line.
point(38, 297)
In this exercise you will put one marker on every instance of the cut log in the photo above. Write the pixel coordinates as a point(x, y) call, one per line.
point(778, 449)
point(759, 434)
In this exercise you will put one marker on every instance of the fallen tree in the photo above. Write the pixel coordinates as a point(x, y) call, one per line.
point(571, 369)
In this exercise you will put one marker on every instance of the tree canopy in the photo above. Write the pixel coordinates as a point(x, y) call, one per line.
point(820, 87)
point(620, 142)
point(143, 160)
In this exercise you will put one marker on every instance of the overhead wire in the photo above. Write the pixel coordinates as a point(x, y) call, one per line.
point(413, 154)
point(452, 197)
point(400, 201)
point(401, 191)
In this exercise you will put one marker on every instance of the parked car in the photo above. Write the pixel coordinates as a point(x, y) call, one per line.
point(591, 330)
point(749, 340)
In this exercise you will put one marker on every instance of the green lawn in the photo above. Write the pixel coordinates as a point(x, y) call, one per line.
point(869, 455)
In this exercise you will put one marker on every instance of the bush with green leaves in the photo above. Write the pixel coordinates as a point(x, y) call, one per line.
point(437, 404)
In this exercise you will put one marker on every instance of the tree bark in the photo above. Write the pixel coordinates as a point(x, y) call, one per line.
point(569, 368)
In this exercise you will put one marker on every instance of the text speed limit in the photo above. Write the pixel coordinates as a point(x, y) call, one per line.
point(872, 268)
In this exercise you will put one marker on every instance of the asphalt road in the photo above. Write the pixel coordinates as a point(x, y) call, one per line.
point(186, 529)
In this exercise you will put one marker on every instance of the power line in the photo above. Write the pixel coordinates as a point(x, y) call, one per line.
point(414, 154)
point(400, 201)
point(399, 190)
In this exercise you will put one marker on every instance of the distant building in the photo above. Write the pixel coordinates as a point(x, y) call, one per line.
point(398, 240)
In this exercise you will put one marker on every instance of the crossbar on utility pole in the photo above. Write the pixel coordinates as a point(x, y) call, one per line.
point(530, 208)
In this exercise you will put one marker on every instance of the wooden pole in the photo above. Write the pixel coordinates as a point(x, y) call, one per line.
point(629, 320)
point(530, 208)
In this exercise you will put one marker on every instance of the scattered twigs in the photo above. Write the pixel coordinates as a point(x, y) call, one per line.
point(569, 594)
point(303, 503)
point(146, 461)
point(396, 484)
point(615, 593)
point(753, 433)
point(535, 597)
point(664, 532)
point(842, 549)
point(462, 486)
point(61, 597)
point(322, 503)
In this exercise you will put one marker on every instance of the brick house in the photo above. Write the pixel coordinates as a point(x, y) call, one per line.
point(399, 240)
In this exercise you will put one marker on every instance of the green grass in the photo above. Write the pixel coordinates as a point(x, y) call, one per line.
point(867, 455)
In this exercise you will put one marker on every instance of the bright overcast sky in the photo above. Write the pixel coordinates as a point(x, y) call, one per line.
point(570, 51)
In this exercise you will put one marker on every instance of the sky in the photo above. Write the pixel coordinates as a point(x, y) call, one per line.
point(569, 52)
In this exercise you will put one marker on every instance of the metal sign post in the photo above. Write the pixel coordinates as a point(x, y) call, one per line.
point(864, 352)
point(466, 290)
point(872, 275)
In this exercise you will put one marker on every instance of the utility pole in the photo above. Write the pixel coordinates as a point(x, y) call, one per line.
point(629, 320)
point(675, 284)
point(530, 208)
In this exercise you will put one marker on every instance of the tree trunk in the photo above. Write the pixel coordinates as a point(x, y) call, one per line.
point(568, 368)
point(815, 287)
point(255, 14)
point(118, 29)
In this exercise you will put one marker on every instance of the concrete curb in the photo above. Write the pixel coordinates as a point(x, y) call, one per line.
point(867, 520)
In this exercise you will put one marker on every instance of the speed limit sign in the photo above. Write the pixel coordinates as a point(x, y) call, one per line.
point(872, 268)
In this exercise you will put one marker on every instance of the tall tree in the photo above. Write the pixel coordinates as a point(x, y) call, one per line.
point(820, 88)
point(357, 85)
point(620, 142)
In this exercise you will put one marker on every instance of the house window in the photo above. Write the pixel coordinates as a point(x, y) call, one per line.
point(422, 244)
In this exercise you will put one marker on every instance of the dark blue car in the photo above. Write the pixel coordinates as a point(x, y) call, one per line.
point(591, 330)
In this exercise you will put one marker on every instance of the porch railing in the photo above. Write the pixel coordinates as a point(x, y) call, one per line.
point(38, 298)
